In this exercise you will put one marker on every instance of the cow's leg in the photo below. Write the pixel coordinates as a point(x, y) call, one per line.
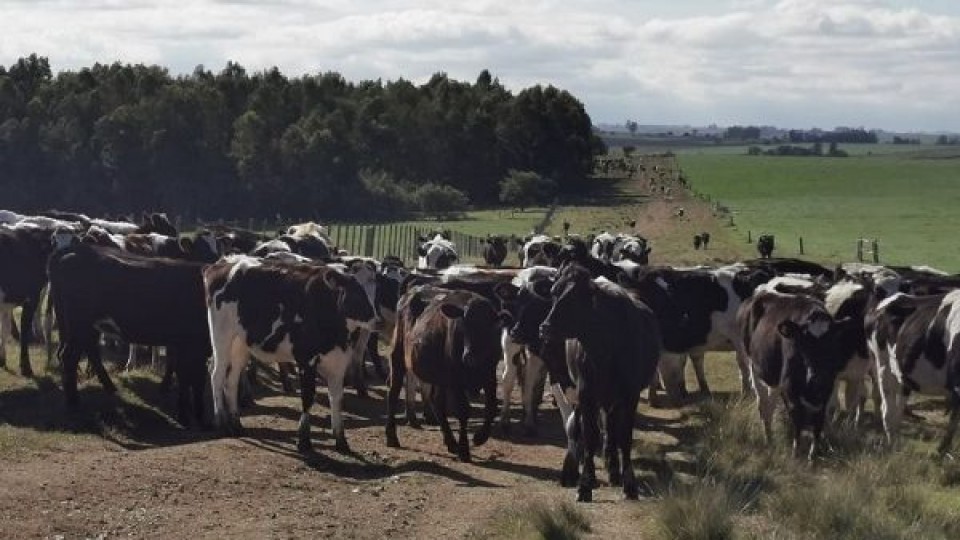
point(512, 352)
point(893, 402)
point(953, 402)
point(624, 434)
point(26, 334)
point(535, 376)
point(169, 370)
point(564, 398)
point(590, 432)
point(238, 357)
point(570, 474)
point(671, 373)
point(308, 391)
point(359, 350)
point(697, 360)
point(746, 373)
point(490, 409)
point(218, 377)
point(48, 321)
point(96, 364)
point(766, 405)
point(410, 399)
point(70, 360)
point(817, 420)
point(378, 361)
point(334, 367)
point(6, 321)
point(438, 402)
point(463, 418)
point(284, 373)
point(611, 446)
point(398, 372)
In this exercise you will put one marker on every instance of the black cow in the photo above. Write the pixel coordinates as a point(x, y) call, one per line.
point(915, 342)
point(281, 312)
point(145, 300)
point(23, 259)
point(765, 245)
point(621, 345)
point(495, 250)
point(450, 341)
point(791, 343)
point(697, 241)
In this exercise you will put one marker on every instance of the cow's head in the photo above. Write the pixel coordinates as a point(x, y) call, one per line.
point(203, 247)
point(571, 297)
point(437, 254)
point(541, 250)
point(480, 324)
point(634, 248)
point(156, 223)
point(812, 347)
point(351, 299)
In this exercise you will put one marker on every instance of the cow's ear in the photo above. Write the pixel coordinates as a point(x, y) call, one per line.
point(186, 244)
point(371, 265)
point(505, 318)
point(506, 292)
point(788, 329)
point(334, 279)
point(422, 251)
point(451, 311)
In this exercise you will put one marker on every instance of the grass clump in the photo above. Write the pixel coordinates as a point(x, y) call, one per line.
point(699, 512)
point(538, 521)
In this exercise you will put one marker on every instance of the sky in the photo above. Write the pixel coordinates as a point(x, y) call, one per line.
point(889, 64)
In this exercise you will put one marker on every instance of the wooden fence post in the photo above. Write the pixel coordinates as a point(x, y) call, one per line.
point(801, 245)
point(876, 251)
point(371, 238)
point(749, 238)
point(859, 249)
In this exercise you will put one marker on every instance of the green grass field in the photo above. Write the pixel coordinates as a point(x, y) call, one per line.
point(909, 203)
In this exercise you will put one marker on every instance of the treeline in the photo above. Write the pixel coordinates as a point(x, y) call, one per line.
point(122, 138)
point(792, 150)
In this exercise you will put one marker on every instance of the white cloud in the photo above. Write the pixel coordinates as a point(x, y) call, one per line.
point(854, 62)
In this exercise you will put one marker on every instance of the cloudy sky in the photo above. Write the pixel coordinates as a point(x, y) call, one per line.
point(892, 64)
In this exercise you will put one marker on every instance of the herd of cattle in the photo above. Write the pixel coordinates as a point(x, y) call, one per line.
point(590, 313)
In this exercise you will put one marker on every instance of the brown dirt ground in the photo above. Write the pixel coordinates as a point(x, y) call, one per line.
point(172, 483)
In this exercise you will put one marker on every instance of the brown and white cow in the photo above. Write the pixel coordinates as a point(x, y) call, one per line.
point(915, 341)
point(296, 313)
point(450, 340)
point(790, 342)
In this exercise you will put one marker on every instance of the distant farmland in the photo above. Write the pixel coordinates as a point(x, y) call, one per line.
point(910, 201)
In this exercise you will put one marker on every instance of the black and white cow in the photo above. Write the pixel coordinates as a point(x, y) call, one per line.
point(146, 300)
point(449, 339)
point(539, 250)
point(696, 310)
point(630, 247)
point(915, 342)
point(602, 246)
point(305, 314)
point(621, 347)
point(791, 344)
point(436, 253)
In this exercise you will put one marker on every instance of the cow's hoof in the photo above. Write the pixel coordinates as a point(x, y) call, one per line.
point(631, 492)
point(26, 371)
point(393, 441)
point(464, 455)
point(304, 446)
point(342, 446)
point(584, 495)
point(452, 447)
point(481, 437)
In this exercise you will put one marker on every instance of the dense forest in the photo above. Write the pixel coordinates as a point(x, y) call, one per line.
point(119, 138)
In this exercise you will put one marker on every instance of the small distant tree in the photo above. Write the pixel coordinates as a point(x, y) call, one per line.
point(441, 201)
point(632, 127)
point(818, 148)
point(525, 188)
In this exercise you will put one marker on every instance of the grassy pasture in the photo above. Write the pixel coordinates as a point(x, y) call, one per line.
point(908, 203)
